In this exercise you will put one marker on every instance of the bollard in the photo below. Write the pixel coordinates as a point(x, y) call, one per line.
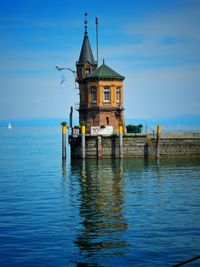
point(83, 140)
point(70, 117)
point(158, 142)
point(120, 141)
point(64, 130)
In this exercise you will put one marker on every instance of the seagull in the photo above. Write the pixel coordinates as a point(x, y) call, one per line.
point(63, 79)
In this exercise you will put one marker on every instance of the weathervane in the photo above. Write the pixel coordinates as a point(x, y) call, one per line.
point(97, 39)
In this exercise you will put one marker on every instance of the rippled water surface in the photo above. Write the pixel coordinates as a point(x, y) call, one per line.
point(133, 212)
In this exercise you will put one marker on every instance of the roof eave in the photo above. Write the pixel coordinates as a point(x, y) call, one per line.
point(105, 78)
point(94, 63)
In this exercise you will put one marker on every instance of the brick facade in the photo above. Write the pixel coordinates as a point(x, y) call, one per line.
point(101, 91)
point(101, 112)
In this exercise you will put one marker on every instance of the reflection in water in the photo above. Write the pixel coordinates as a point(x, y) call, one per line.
point(101, 209)
point(145, 213)
point(64, 173)
point(126, 209)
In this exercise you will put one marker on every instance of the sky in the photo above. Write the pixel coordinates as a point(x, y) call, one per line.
point(154, 44)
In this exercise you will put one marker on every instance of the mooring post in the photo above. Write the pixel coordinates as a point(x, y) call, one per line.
point(83, 140)
point(64, 130)
point(70, 117)
point(120, 141)
point(158, 142)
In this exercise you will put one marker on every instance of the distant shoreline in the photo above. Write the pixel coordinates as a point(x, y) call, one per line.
point(181, 123)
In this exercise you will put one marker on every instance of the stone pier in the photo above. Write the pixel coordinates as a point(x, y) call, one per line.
point(137, 145)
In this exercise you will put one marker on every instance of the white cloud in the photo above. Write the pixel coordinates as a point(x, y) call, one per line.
point(36, 96)
point(182, 22)
point(161, 79)
point(181, 25)
point(36, 60)
point(164, 92)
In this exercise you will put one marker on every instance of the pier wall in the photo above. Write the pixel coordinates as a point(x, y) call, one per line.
point(137, 145)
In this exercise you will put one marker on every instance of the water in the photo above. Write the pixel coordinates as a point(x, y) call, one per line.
point(133, 212)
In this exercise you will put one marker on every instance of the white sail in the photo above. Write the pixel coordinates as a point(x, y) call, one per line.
point(9, 126)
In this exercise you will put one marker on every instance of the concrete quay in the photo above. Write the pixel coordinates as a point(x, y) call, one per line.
point(184, 144)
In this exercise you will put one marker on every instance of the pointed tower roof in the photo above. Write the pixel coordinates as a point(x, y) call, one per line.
point(86, 51)
point(105, 72)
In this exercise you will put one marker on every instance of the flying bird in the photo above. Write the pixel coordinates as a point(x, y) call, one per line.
point(63, 79)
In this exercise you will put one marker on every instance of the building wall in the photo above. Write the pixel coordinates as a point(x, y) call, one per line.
point(96, 114)
point(138, 145)
point(100, 85)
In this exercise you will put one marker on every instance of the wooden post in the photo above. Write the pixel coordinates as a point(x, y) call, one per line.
point(70, 117)
point(120, 141)
point(64, 130)
point(83, 140)
point(158, 142)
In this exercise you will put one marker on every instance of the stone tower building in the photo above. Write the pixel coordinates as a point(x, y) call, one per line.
point(101, 91)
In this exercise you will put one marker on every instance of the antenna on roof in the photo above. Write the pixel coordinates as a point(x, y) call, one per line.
point(85, 22)
point(97, 40)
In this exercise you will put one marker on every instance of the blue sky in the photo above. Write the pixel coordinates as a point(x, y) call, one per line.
point(154, 44)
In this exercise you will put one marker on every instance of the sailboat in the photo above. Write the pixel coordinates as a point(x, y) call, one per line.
point(9, 126)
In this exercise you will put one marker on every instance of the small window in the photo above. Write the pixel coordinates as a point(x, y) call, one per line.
point(107, 120)
point(94, 94)
point(118, 94)
point(93, 120)
point(87, 71)
point(106, 94)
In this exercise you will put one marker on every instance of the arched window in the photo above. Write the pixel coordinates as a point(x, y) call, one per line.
point(87, 70)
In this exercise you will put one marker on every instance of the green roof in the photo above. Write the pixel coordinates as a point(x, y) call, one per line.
point(105, 72)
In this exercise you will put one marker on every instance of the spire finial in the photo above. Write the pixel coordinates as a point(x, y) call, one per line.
point(97, 39)
point(103, 61)
point(85, 22)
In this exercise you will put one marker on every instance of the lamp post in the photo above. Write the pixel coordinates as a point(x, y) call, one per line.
point(73, 71)
point(75, 80)
point(64, 124)
point(61, 68)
